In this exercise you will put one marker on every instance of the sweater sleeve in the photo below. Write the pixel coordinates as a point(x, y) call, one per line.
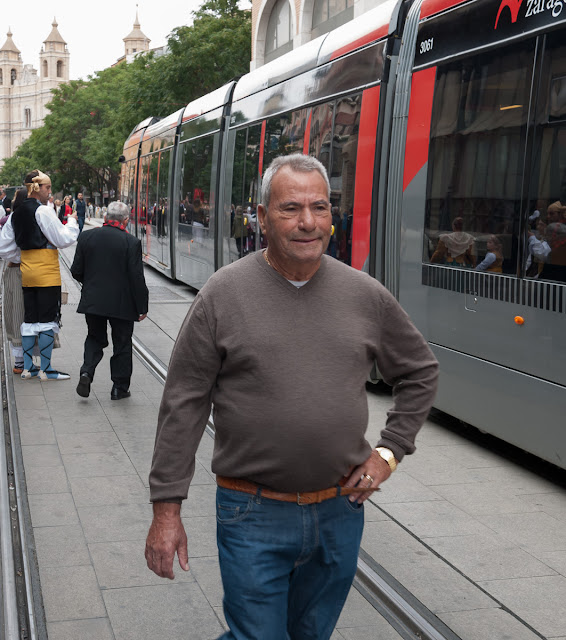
point(185, 406)
point(407, 364)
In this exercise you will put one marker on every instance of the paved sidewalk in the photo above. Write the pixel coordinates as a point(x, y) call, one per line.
point(479, 540)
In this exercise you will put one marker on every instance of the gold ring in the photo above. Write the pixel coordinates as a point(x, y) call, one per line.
point(369, 478)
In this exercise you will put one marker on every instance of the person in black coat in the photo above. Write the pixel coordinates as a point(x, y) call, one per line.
point(108, 262)
point(5, 202)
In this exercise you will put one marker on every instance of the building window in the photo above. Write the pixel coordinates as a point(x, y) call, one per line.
point(134, 51)
point(13, 76)
point(59, 68)
point(278, 36)
point(45, 69)
point(27, 118)
point(329, 14)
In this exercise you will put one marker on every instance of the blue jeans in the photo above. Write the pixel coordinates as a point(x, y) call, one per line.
point(286, 568)
point(81, 221)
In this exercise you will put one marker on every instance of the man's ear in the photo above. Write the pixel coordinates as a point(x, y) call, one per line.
point(261, 213)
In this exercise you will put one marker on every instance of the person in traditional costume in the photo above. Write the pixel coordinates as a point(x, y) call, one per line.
point(32, 236)
point(456, 248)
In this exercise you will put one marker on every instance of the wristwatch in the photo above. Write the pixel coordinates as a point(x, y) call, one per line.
point(388, 456)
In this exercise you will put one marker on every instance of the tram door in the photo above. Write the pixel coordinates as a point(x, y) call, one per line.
point(153, 207)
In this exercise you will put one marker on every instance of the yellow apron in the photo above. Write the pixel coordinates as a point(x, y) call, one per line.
point(40, 268)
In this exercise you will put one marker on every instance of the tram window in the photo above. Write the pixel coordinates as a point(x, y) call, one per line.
point(153, 161)
point(545, 255)
point(476, 153)
point(321, 133)
point(196, 168)
point(342, 174)
point(131, 184)
point(163, 193)
point(143, 188)
point(284, 134)
point(251, 180)
point(239, 167)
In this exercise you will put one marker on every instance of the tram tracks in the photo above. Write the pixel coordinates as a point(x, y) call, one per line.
point(19, 590)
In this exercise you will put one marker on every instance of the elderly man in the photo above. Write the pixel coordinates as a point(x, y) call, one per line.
point(292, 462)
point(35, 232)
point(108, 261)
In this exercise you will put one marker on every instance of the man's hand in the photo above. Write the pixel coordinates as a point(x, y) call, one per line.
point(166, 536)
point(378, 471)
point(142, 317)
point(73, 215)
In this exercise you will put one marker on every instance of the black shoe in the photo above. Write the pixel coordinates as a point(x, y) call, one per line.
point(83, 388)
point(119, 394)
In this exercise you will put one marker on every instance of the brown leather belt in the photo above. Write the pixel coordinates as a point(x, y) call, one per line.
point(309, 497)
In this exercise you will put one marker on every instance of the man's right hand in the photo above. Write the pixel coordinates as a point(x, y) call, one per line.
point(166, 536)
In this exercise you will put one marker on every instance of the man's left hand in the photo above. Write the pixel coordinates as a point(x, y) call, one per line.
point(142, 317)
point(369, 474)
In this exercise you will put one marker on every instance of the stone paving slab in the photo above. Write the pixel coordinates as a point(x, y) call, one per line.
point(478, 539)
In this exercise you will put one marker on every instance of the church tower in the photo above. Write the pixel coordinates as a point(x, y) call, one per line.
point(54, 57)
point(11, 64)
point(137, 40)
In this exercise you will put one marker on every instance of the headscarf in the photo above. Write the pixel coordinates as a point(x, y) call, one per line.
point(457, 242)
point(33, 186)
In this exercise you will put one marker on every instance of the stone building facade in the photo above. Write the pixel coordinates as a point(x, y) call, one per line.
point(25, 91)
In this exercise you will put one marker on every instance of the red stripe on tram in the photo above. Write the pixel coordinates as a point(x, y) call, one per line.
point(307, 139)
point(262, 146)
point(363, 189)
point(418, 125)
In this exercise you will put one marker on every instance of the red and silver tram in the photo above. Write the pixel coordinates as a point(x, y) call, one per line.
point(443, 128)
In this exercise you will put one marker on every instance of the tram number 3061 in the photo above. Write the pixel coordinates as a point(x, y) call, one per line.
point(427, 45)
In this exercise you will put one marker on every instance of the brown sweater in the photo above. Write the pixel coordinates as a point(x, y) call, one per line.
point(285, 369)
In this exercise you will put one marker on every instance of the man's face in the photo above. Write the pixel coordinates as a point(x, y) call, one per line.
point(298, 221)
point(44, 193)
point(80, 196)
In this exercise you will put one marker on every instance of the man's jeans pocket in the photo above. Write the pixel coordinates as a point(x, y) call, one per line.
point(232, 506)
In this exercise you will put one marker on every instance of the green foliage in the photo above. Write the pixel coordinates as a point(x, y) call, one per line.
point(84, 133)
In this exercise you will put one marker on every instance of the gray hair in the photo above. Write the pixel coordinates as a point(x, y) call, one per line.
point(117, 211)
point(296, 162)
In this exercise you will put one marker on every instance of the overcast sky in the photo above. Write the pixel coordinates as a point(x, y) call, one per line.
point(93, 31)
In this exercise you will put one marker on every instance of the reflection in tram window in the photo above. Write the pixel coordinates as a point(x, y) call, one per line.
point(162, 193)
point(142, 197)
point(195, 194)
point(476, 153)
point(546, 225)
point(321, 133)
point(342, 172)
point(244, 237)
point(284, 135)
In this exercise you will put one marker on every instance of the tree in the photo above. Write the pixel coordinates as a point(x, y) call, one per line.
point(213, 50)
